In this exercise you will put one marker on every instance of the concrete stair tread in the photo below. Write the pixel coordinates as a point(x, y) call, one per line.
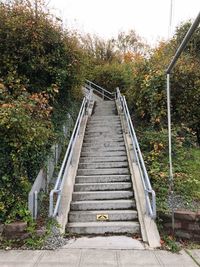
point(105, 122)
point(113, 183)
point(103, 159)
point(102, 192)
point(104, 211)
point(102, 171)
point(103, 129)
point(106, 154)
point(103, 165)
point(113, 216)
point(102, 139)
point(102, 178)
point(119, 204)
point(103, 142)
point(103, 149)
point(102, 186)
point(104, 145)
point(102, 195)
point(99, 116)
point(104, 227)
point(96, 224)
point(103, 175)
point(105, 201)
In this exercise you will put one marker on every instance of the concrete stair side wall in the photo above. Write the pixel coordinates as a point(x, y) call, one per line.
point(149, 229)
point(69, 177)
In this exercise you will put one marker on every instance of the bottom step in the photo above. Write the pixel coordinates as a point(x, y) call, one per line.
point(103, 228)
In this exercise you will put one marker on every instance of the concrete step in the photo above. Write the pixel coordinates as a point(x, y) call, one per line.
point(103, 128)
point(105, 154)
point(104, 227)
point(103, 149)
point(103, 165)
point(105, 105)
point(102, 139)
point(103, 159)
point(103, 205)
point(104, 144)
point(102, 186)
point(102, 195)
point(105, 113)
point(113, 215)
point(106, 120)
point(103, 119)
point(102, 179)
point(101, 135)
point(114, 171)
point(102, 131)
point(103, 123)
point(110, 132)
point(105, 110)
point(109, 117)
point(102, 106)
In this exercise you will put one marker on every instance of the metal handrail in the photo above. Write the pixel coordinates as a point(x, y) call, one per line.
point(54, 209)
point(183, 44)
point(105, 93)
point(178, 53)
point(150, 196)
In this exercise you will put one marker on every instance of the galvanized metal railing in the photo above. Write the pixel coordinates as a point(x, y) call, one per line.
point(150, 196)
point(54, 204)
point(99, 90)
point(177, 55)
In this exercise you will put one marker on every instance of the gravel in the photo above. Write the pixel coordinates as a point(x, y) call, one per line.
point(55, 240)
point(180, 204)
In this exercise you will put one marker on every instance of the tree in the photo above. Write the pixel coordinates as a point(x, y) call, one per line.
point(131, 43)
point(100, 51)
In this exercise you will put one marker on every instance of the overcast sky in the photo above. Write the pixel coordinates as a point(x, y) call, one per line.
point(149, 18)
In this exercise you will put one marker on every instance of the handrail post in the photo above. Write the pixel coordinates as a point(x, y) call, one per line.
point(171, 178)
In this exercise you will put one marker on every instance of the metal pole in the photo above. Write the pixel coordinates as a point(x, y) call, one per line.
point(184, 43)
point(171, 178)
point(168, 71)
point(170, 19)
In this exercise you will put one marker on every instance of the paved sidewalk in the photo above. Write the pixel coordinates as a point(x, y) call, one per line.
point(97, 258)
point(110, 251)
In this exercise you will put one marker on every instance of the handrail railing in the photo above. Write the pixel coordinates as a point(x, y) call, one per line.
point(102, 91)
point(149, 192)
point(54, 206)
point(178, 53)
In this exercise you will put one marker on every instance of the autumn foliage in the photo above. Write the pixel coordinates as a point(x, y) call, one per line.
point(40, 65)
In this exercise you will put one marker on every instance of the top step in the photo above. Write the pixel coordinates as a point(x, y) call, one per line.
point(105, 108)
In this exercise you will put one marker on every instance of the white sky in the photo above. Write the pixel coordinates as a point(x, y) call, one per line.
point(149, 18)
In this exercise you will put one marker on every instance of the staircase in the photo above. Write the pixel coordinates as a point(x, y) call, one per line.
point(103, 198)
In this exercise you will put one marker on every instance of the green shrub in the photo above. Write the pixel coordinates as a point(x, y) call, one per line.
point(41, 68)
point(111, 76)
